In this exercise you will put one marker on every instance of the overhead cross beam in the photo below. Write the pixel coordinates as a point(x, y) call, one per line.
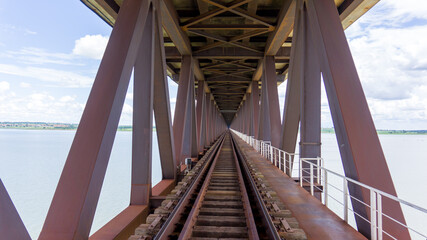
point(213, 13)
point(223, 40)
point(243, 13)
point(276, 38)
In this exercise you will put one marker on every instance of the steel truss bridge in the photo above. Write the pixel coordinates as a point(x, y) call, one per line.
point(229, 166)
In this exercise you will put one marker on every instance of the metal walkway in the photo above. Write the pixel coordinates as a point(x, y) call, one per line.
point(223, 197)
point(315, 219)
point(227, 56)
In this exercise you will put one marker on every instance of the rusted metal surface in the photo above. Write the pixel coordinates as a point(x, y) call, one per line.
point(269, 207)
point(161, 102)
point(163, 187)
point(123, 225)
point(11, 225)
point(360, 148)
point(73, 206)
point(255, 106)
point(310, 84)
point(175, 216)
point(223, 178)
point(272, 100)
point(142, 123)
point(182, 111)
point(211, 31)
point(317, 221)
point(201, 115)
point(291, 111)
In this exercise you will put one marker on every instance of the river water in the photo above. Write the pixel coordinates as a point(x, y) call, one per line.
point(31, 162)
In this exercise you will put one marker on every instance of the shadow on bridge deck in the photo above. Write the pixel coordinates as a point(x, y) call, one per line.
point(314, 218)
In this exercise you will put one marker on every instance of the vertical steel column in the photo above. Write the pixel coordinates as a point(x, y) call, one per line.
point(264, 118)
point(360, 148)
point(143, 116)
point(247, 114)
point(189, 147)
point(213, 109)
point(243, 110)
point(162, 112)
point(250, 112)
point(310, 100)
point(194, 142)
point(273, 110)
point(182, 109)
point(208, 119)
point(255, 107)
point(73, 206)
point(201, 115)
point(291, 111)
point(11, 225)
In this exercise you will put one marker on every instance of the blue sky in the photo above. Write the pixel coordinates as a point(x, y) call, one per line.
point(50, 52)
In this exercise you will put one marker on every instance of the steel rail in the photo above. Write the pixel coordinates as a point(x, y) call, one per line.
point(192, 217)
point(169, 225)
point(266, 219)
point(246, 203)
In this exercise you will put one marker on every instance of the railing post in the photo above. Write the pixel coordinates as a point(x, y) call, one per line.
point(345, 190)
point(325, 187)
point(380, 216)
point(275, 156)
point(300, 172)
point(311, 180)
point(318, 169)
point(373, 215)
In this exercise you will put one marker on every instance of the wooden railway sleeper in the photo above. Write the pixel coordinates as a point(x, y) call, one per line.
point(154, 221)
point(281, 217)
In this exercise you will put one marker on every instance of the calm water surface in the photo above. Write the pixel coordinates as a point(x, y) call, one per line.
point(31, 162)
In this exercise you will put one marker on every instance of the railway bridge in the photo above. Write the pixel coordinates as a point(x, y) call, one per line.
point(229, 163)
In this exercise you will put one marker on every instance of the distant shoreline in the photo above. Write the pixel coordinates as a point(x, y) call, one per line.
point(128, 128)
point(51, 126)
point(387, 132)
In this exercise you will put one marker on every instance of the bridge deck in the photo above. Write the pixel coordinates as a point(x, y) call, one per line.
point(315, 219)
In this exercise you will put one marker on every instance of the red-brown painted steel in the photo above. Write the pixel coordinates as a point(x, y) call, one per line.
point(181, 107)
point(273, 110)
point(208, 119)
point(11, 225)
point(161, 102)
point(264, 118)
point(291, 111)
point(142, 125)
point(317, 221)
point(310, 142)
point(255, 107)
point(193, 121)
point(361, 152)
point(73, 206)
point(201, 115)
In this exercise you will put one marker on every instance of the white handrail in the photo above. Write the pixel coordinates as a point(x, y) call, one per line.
point(274, 155)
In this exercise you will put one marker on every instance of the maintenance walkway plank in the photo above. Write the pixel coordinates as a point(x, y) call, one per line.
point(314, 218)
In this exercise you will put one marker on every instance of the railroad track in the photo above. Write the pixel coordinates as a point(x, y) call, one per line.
point(218, 199)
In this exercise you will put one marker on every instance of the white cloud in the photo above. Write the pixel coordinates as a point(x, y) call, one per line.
point(91, 46)
point(4, 86)
point(40, 106)
point(24, 85)
point(53, 76)
point(67, 98)
point(38, 56)
point(29, 32)
point(389, 50)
